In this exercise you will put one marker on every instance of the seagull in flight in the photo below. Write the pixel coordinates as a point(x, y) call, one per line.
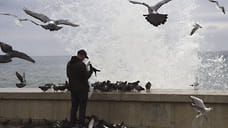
point(22, 80)
point(52, 25)
point(199, 106)
point(10, 53)
point(153, 16)
point(218, 5)
point(195, 27)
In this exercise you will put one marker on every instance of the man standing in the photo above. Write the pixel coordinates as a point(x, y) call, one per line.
point(78, 81)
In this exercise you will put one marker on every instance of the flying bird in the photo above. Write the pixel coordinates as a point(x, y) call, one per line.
point(195, 27)
point(21, 79)
point(195, 84)
point(10, 53)
point(218, 5)
point(52, 25)
point(153, 16)
point(199, 106)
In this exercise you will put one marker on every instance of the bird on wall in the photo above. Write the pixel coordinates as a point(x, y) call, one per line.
point(148, 85)
point(196, 83)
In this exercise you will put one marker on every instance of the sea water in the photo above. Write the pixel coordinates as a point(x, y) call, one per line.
point(212, 72)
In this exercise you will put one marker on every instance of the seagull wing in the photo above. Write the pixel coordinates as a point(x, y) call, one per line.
point(197, 25)
point(39, 16)
point(197, 108)
point(21, 55)
point(159, 4)
point(19, 19)
point(214, 1)
point(19, 77)
point(5, 47)
point(136, 2)
point(29, 21)
point(198, 102)
point(217, 3)
point(8, 14)
point(66, 22)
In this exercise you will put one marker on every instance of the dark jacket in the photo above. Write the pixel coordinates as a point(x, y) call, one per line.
point(78, 75)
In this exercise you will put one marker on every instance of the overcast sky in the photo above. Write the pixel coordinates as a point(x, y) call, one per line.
point(39, 42)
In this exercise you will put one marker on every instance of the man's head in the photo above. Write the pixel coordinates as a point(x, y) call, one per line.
point(82, 54)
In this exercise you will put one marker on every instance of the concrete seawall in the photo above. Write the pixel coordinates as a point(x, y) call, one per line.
point(154, 109)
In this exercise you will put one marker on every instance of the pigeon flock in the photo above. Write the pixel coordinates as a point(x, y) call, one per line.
point(107, 86)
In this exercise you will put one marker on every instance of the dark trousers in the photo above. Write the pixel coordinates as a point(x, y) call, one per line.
point(78, 100)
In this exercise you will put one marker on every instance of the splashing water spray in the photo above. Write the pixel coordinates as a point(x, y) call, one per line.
point(125, 46)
